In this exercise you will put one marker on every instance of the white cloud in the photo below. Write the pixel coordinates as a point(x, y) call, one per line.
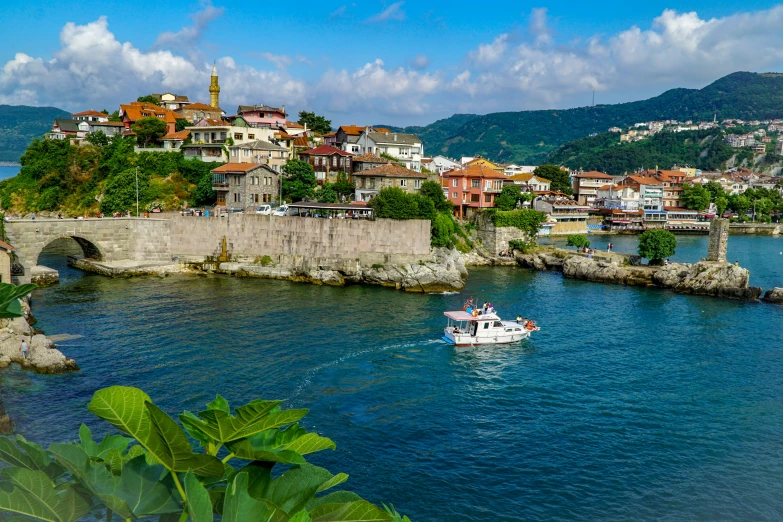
point(393, 12)
point(188, 36)
point(527, 69)
point(375, 88)
point(93, 69)
point(340, 11)
point(421, 61)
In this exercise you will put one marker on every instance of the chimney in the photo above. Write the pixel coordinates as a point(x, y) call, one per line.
point(395, 137)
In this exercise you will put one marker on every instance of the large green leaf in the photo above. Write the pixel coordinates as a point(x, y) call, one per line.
point(12, 455)
point(9, 299)
point(142, 490)
point(199, 503)
point(357, 511)
point(295, 489)
point(109, 444)
point(285, 447)
point(250, 419)
point(239, 506)
point(35, 495)
point(123, 407)
point(302, 516)
point(169, 444)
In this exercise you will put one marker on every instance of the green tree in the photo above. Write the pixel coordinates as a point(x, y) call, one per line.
point(299, 181)
point(433, 191)
point(180, 124)
point(695, 197)
point(721, 203)
point(149, 129)
point(148, 99)
point(716, 190)
point(657, 245)
point(395, 203)
point(327, 194)
point(344, 186)
point(152, 471)
point(763, 207)
point(443, 229)
point(314, 122)
point(578, 241)
point(119, 194)
point(560, 179)
point(508, 197)
point(99, 139)
point(115, 116)
point(739, 204)
point(525, 219)
point(203, 194)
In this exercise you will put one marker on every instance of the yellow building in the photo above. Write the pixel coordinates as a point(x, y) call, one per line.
point(483, 162)
point(690, 172)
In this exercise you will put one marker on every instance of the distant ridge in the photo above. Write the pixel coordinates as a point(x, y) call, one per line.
point(20, 124)
point(528, 136)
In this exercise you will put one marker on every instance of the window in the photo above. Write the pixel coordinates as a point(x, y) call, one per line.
point(403, 182)
point(487, 198)
point(221, 198)
point(455, 183)
point(474, 198)
point(233, 152)
point(372, 183)
point(237, 135)
point(223, 136)
point(251, 136)
point(454, 195)
point(488, 184)
point(334, 161)
point(475, 183)
point(347, 163)
point(354, 148)
point(417, 183)
point(197, 137)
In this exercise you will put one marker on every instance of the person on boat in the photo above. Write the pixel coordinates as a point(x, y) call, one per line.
point(519, 319)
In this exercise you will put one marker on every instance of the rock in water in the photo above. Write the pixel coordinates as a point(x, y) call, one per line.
point(716, 279)
point(6, 425)
point(774, 296)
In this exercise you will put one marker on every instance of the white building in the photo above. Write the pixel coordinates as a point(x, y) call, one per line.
point(441, 164)
point(406, 148)
point(511, 170)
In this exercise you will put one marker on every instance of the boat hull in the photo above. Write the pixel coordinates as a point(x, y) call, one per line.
point(468, 340)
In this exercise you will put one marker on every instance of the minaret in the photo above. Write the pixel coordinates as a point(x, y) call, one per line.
point(214, 88)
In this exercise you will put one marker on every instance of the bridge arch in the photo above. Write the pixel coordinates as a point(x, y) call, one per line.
point(90, 248)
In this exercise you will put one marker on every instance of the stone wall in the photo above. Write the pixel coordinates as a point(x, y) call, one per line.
point(284, 239)
point(569, 227)
point(496, 239)
point(150, 240)
point(759, 229)
point(719, 239)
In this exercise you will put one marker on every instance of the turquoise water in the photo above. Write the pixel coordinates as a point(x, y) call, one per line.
point(629, 404)
point(8, 172)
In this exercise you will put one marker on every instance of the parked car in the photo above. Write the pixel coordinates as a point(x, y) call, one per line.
point(232, 211)
point(264, 210)
point(281, 211)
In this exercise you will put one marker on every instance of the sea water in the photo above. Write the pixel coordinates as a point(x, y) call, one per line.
point(629, 404)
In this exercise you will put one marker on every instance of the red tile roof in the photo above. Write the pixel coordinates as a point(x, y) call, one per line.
point(390, 171)
point(324, 150)
point(369, 157)
point(593, 174)
point(237, 167)
point(181, 135)
point(135, 111)
point(90, 113)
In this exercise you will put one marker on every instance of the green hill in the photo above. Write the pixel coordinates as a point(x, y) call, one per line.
point(705, 150)
point(20, 124)
point(527, 137)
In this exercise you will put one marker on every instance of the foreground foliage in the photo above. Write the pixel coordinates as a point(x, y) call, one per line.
point(657, 245)
point(578, 241)
point(156, 473)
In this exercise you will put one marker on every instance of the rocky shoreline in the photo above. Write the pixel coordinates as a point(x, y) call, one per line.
point(42, 357)
point(710, 278)
point(444, 272)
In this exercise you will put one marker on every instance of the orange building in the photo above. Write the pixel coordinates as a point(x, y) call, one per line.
point(472, 188)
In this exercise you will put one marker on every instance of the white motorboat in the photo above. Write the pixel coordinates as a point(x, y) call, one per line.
point(467, 329)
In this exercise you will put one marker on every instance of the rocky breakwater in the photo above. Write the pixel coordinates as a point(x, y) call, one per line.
point(444, 271)
point(712, 278)
point(774, 296)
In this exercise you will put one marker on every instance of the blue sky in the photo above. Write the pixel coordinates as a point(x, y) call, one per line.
point(374, 61)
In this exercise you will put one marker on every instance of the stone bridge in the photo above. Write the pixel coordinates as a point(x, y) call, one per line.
point(107, 239)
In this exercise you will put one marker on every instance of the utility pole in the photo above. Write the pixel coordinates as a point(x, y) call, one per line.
point(137, 191)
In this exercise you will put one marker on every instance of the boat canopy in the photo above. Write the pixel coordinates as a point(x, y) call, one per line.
point(460, 315)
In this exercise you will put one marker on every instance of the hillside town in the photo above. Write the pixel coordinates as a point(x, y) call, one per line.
point(252, 145)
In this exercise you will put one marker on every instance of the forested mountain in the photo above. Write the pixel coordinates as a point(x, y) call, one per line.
point(527, 137)
point(705, 150)
point(20, 124)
